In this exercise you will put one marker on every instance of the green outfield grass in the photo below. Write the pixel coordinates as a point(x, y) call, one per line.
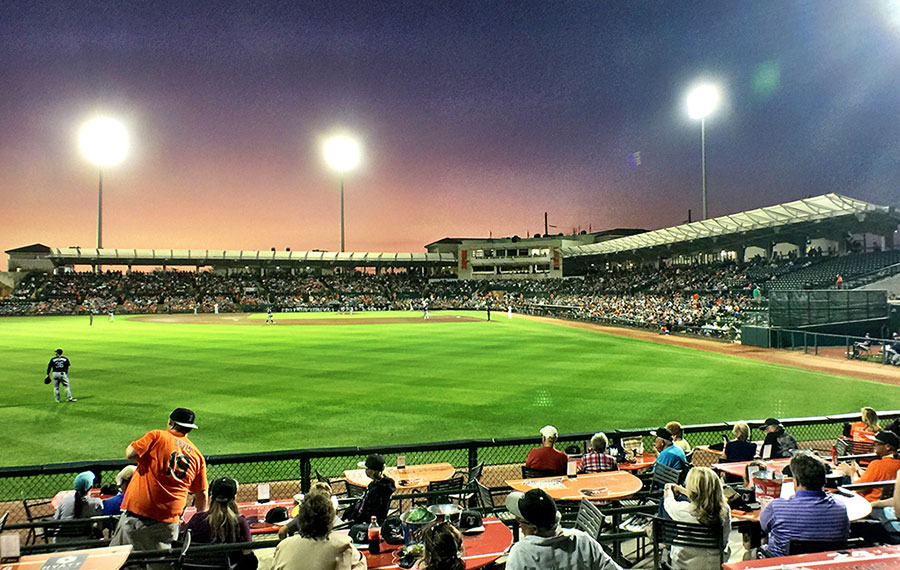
point(260, 387)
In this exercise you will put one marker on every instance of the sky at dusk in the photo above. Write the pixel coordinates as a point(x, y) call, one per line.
point(474, 117)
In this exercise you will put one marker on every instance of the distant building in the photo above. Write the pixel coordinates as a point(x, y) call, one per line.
point(536, 257)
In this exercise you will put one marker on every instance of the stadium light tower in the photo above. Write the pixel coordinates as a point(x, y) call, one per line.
point(343, 154)
point(701, 101)
point(104, 142)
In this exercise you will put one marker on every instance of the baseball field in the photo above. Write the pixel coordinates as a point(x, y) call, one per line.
point(316, 380)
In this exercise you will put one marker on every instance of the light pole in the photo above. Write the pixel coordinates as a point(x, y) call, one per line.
point(342, 153)
point(104, 142)
point(701, 101)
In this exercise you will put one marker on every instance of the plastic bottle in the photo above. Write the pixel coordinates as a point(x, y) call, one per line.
point(374, 537)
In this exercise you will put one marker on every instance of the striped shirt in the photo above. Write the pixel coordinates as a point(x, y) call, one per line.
point(808, 515)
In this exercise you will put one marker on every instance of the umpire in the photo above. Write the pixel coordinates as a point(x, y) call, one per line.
point(59, 366)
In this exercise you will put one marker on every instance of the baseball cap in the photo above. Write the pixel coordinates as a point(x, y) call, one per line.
point(535, 506)
point(125, 474)
point(84, 481)
point(223, 489)
point(769, 423)
point(662, 433)
point(278, 516)
point(58, 351)
point(549, 432)
point(183, 417)
point(471, 521)
point(888, 438)
point(374, 462)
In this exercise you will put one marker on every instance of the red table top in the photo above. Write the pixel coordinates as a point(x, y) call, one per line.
point(479, 550)
point(739, 467)
point(412, 476)
point(642, 462)
point(251, 511)
point(858, 558)
point(610, 485)
point(107, 558)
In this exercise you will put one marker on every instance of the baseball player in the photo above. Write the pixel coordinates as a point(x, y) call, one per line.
point(59, 366)
point(269, 317)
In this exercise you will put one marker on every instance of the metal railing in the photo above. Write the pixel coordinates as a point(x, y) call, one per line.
point(847, 346)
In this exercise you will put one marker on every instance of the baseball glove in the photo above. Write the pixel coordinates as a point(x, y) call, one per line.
point(47, 379)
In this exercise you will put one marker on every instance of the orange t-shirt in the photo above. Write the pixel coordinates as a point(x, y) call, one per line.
point(883, 469)
point(859, 431)
point(168, 468)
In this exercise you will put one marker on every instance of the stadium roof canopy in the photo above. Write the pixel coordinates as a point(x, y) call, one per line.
point(829, 215)
point(244, 258)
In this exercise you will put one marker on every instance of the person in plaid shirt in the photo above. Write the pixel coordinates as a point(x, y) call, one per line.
point(597, 460)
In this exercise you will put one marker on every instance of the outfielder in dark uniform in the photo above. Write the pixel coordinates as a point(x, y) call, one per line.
point(59, 366)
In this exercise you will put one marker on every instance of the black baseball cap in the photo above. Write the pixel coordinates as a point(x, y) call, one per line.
point(374, 462)
point(223, 489)
point(278, 516)
point(888, 438)
point(183, 417)
point(769, 423)
point(662, 433)
point(535, 506)
point(58, 351)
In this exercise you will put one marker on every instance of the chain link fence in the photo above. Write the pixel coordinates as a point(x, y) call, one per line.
point(293, 471)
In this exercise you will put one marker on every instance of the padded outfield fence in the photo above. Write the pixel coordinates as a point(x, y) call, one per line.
point(292, 471)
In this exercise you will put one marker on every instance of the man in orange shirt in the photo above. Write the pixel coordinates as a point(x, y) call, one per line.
point(169, 467)
point(546, 457)
point(881, 469)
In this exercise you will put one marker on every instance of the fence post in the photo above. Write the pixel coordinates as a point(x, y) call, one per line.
point(816, 343)
point(473, 455)
point(305, 473)
point(805, 342)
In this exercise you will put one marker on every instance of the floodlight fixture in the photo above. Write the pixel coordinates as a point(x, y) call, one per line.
point(701, 101)
point(104, 142)
point(342, 153)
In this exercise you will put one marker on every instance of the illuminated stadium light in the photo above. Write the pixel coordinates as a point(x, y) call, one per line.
point(701, 101)
point(104, 142)
point(343, 154)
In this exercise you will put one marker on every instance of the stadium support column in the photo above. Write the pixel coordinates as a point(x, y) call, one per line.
point(770, 249)
point(740, 254)
point(889, 240)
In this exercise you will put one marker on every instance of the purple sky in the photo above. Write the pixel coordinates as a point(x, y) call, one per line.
point(474, 117)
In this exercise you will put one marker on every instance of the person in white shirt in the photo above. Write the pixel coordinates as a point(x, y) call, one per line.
point(546, 546)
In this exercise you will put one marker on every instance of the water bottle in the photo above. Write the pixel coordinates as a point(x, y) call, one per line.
point(374, 537)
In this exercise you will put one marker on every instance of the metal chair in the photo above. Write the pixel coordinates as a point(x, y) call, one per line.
point(798, 546)
point(487, 507)
point(568, 512)
point(37, 510)
point(589, 519)
point(673, 533)
point(531, 473)
point(452, 486)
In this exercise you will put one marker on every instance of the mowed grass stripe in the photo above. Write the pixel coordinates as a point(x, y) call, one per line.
point(280, 387)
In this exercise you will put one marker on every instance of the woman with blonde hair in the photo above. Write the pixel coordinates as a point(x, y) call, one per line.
point(442, 543)
point(866, 429)
point(221, 524)
point(739, 449)
point(706, 505)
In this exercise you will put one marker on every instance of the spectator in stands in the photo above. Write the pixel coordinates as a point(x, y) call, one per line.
point(293, 525)
point(544, 544)
point(169, 467)
point(113, 505)
point(443, 548)
point(885, 467)
point(778, 443)
point(221, 524)
point(316, 547)
point(706, 505)
point(546, 457)
point(810, 514)
point(740, 449)
point(597, 459)
point(678, 436)
point(670, 454)
point(377, 498)
point(78, 505)
point(866, 429)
